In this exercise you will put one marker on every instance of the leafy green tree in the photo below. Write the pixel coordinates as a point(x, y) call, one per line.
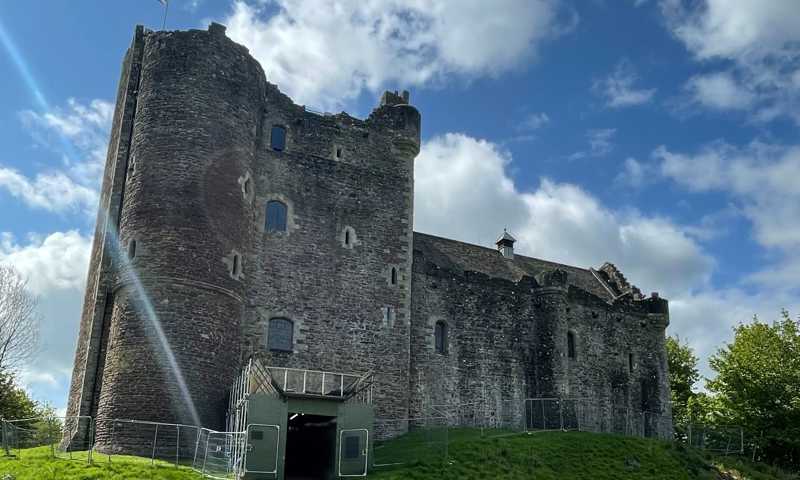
point(683, 374)
point(758, 385)
point(14, 401)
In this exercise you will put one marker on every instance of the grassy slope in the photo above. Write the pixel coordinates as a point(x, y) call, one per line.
point(551, 455)
point(557, 455)
point(37, 464)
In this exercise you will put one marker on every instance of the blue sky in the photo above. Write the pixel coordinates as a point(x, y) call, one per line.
point(659, 135)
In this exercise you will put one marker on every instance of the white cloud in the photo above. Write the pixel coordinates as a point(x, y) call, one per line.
point(600, 143)
point(463, 191)
point(535, 121)
point(634, 173)
point(355, 46)
point(55, 262)
point(56, 267)
point(759, 40)
point(719, 91)
point(762, 179)
point(618, 88)
point(55, 191)
point(78, 133)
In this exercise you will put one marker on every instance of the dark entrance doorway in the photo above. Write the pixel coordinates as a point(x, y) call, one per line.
point(310, 447)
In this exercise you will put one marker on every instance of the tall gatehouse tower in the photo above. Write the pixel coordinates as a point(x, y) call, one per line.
point(227, 209)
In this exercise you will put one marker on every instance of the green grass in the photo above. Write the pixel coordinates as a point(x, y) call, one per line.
point(555, 455)
point(471, 455)
point(38, 464)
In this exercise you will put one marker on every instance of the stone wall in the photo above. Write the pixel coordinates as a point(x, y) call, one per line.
point(507, 338)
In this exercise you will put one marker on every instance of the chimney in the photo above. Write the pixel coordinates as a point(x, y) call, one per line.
point(505, 244)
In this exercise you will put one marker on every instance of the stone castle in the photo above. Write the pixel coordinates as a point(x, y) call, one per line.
point(235, 224)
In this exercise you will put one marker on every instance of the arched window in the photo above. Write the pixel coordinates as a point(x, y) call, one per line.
point(440, 337)
point(131, 249)
point(571, 345)
point(276, 216)
point(393, 276)
point(280, 335)
point(278, 138)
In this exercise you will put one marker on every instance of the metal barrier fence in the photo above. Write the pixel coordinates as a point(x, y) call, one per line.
point(218, 454)
point(542, 414)
point(214, 454)
point(726, 440)
point(65, 437)
point(409, 440)
point(163, 442)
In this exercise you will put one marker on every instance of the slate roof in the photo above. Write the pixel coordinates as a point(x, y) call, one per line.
point(459, 257)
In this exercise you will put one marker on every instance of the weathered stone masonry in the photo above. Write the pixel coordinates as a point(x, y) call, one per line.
point(191, 167)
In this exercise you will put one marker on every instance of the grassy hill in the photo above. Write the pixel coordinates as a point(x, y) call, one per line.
point(565, 455)
point(38, 464)
point(549, 455)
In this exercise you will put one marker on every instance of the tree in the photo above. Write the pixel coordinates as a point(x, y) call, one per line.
point(683, 374)
point(14, 401)
point(19, 320)
point(758, 385)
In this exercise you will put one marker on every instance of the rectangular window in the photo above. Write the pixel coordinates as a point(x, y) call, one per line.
point(352, 447)
point(278, 138)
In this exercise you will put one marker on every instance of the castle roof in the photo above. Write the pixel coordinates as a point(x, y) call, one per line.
point(462, 257)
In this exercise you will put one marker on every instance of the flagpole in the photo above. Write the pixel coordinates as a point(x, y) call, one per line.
point(166, 9)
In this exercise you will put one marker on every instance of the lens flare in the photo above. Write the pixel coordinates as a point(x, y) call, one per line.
point(150, 315)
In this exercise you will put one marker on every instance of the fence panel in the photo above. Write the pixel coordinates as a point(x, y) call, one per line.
point(63, 437)
point(406, 441)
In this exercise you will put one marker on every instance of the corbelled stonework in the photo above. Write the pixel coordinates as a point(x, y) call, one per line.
point(190, 169)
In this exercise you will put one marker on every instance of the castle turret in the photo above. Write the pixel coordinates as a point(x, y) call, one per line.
point(173, 297)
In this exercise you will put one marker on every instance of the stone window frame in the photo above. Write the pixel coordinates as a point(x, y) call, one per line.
point(291, 223)
point(248, 187)
point(348, 237)
point(572, 345)
point(283, 209)
point(631, 362)
point(389, 315)
point(234, 261)
point(285, 137)
point(268, 325)
point(261, 213)
point(337, 152)
point(390, 270)
point(441, 347)
point(131, 250)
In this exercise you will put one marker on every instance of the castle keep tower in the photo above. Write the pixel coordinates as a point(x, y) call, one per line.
point(234, 223)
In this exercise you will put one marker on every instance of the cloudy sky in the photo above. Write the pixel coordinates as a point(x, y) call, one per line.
point(659, 135)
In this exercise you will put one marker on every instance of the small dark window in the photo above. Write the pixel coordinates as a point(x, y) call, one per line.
point(280, 335)
point(440, 337)
point(347, 237)
point(352, 447)
point(393, 278)
point(571, 345)
point(247, 186)
point(338, 152)
point(630, 363)
point(236, 265)
point(131, 249)
point(276, 216)
point(278, 138)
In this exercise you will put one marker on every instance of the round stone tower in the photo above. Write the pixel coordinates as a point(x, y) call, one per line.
point(175, 292)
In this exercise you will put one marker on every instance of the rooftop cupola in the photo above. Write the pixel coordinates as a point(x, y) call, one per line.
point(505, 244)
